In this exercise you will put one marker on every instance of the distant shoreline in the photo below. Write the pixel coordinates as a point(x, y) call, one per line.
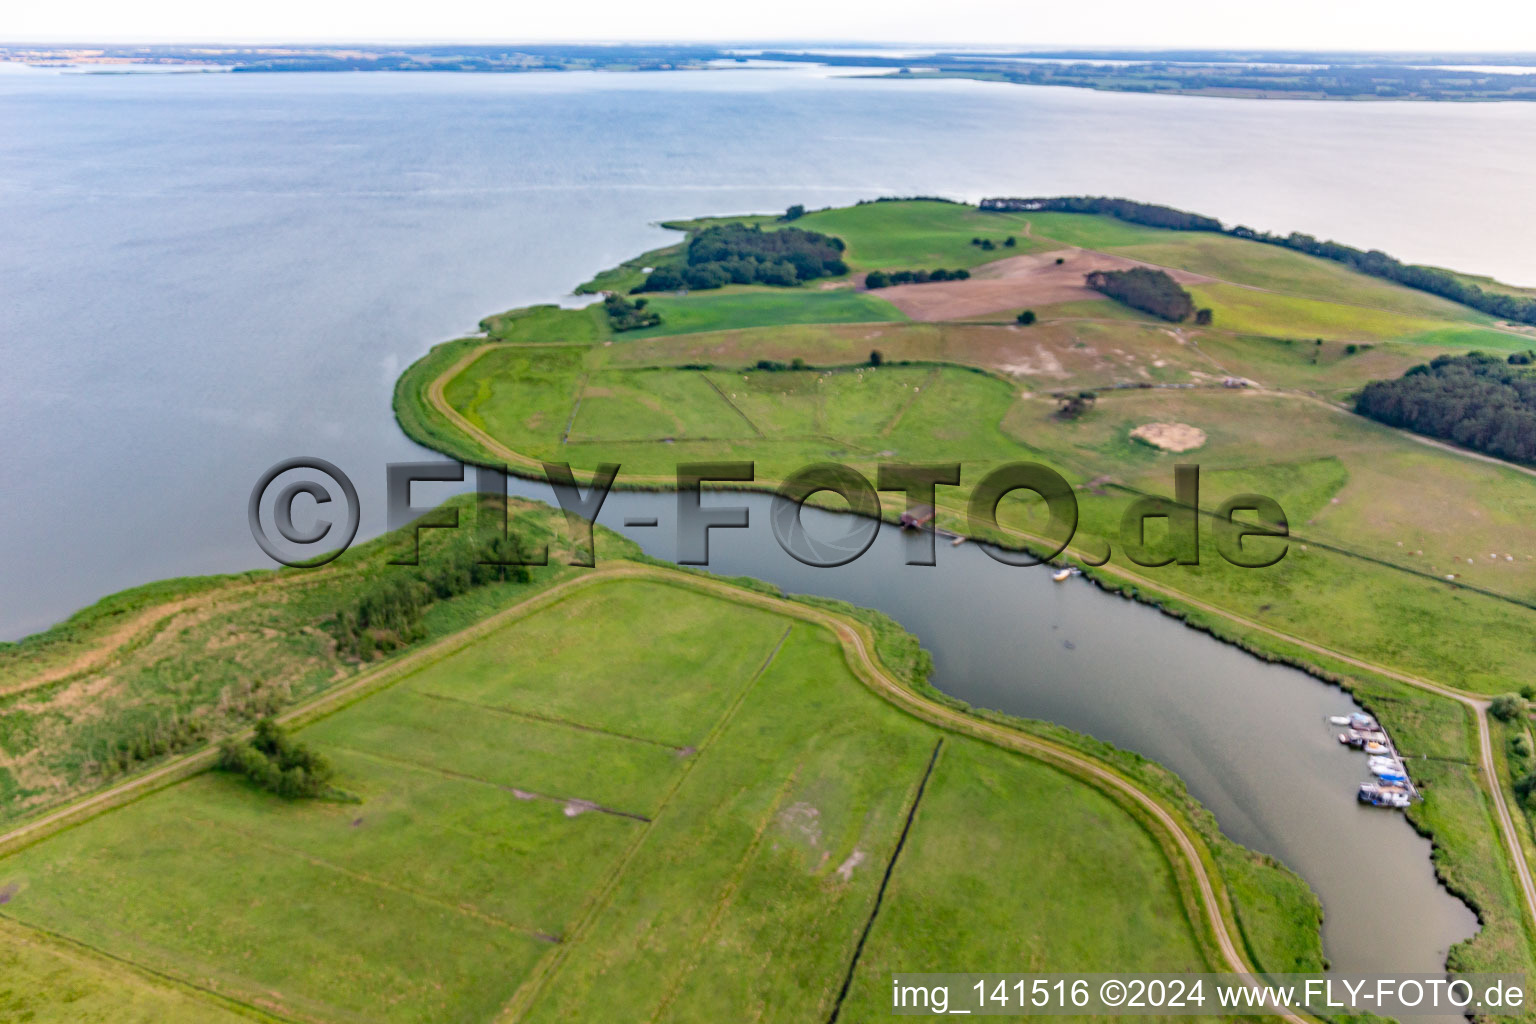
point(1483, 78)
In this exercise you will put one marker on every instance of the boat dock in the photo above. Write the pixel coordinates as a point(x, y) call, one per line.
point(1391, 785)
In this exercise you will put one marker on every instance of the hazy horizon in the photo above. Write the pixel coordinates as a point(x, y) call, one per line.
point(1315, 25)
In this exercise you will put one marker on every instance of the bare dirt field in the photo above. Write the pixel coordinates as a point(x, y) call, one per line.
point(1035, 279)
point(1170, 437)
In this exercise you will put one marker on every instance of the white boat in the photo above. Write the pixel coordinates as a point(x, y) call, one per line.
point(1361, 721)
point(1386, 761)
point(1372, 747)
point(1392, 773)
point(1338, 719)
point(1383, 796)
point(1066, 574)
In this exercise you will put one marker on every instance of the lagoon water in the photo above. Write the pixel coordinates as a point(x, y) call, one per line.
point(201, 275)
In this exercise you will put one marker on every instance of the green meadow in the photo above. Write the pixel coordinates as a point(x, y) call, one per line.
point(640, 800)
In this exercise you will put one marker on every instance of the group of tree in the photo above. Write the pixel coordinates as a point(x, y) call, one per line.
point(746, 254)
point(1476, 400)
point(1143, 288)
point(277, 763)
point(629, 315)
point(883, 278)
point(388, 614)
point(988, 245)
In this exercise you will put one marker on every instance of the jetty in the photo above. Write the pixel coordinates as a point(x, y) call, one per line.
point(1391, 786)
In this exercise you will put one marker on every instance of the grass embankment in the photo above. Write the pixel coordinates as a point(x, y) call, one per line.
point(689, 825)
point(1379, 520)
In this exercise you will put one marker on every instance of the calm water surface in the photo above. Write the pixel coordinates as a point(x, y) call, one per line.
point(203, 274)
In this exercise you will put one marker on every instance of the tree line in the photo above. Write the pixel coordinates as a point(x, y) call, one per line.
point(1127, 210)
point(1521, 309)
point(1426, 279)
point(1476, 400)
point(883, 278)
point(1143, 288)
point(746, 254)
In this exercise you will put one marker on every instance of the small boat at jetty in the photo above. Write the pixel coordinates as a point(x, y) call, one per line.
point(1385, 761)
point(1338, 720)
point(1362, 722)
point(1383, 796)
point(1352, 739)
point(1374, 747)
point(1391, 777)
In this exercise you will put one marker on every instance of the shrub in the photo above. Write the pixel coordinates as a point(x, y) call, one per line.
point(1203, 317)
point(1507, 707)
point(876, 357)
point(1027, 317)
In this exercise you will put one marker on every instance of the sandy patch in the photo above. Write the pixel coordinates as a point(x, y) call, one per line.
point(1170, 437)
point(1035, 279)
point(803, 818)
point(845, 869)
point(1043, 363)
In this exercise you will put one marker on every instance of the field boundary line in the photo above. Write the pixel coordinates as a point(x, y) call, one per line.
point(581, 388)
point(144, 973)
point(885, 881)
point(901, 414)
point(727, 895)
point(527, 994)
point(727, 400)
point(532, 716)
point(255, 839)
point(457, 776)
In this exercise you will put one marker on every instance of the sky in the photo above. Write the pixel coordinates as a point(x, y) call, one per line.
point(1440, 25)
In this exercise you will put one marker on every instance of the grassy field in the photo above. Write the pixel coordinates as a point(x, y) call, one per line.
point(689, 826)
point(758, 307)
point(909, 234)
